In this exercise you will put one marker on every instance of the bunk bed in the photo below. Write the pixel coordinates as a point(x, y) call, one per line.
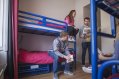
point(38, 61)
point(37, 24)
point(112, 8)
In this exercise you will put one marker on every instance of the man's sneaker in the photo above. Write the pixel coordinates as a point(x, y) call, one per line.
point(68, 73)
point(83, 68)
point(90, 67)
point(55, 76)
point(71, 39)
point(87, 70)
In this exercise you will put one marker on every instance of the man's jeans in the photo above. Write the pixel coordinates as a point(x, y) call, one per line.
point(55, 62)
point(85, 46)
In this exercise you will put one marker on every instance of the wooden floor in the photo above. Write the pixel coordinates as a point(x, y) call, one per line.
point(78, 74)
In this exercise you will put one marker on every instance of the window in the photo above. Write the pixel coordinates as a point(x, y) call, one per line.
point(3, 24)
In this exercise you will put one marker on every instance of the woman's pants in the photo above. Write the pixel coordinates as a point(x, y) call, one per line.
point(72, 31)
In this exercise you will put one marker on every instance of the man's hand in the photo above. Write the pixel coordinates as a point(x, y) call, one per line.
point(67, 57)
point(88, 35)
point(100, 56)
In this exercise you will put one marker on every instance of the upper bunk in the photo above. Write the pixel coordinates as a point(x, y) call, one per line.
point(33, 23)
point(110, 6)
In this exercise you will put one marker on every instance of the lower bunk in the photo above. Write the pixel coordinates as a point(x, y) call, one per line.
point(36, 62)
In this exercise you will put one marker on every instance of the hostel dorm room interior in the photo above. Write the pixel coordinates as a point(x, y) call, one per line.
point(62, 39)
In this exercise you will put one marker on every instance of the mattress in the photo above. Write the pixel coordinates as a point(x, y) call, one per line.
point(35, 57)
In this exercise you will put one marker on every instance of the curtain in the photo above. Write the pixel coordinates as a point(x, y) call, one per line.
point(14, 36)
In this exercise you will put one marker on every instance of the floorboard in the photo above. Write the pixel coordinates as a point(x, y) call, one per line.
point(78, 74)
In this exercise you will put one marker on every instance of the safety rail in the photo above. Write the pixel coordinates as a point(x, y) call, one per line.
point(37, 15)
point(104, 65)
point(109, 6)
point(36, 20)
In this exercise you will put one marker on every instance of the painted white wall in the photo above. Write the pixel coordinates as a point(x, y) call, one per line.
point(105, 22)
point(86, 11)
point(107, 43)
point(79, 9)
point(52, 8)
point(33, 42)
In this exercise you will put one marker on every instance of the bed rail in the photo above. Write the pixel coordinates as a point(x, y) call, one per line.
point(28, 18)
point(110, 6)
point(104, 65)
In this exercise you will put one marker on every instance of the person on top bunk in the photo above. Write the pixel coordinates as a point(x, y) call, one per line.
point(72, 30)
point(60, 49)
point(85, 34)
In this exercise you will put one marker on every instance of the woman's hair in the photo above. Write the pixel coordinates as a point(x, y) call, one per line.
point(63, 34)
point(70, 15)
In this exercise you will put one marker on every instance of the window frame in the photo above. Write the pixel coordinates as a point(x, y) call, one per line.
point(4, 25)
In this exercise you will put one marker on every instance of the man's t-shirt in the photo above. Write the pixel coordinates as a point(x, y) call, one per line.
point(84, 31)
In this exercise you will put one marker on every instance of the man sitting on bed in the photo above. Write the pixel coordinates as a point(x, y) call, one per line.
point(60, 49)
